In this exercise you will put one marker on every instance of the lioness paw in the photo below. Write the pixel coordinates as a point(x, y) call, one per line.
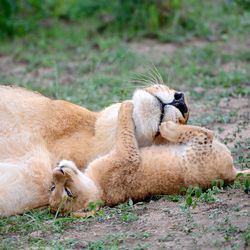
point(67, 164)
point(65, 170)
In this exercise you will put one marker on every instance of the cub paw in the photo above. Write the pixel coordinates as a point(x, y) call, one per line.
point(168, 125)
point(126, 108)
point(169, 131)
point(165, 127)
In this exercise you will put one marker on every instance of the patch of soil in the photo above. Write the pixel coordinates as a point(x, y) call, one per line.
point(165, 225)
point(157, 49)
point(153, 47)
point(11, 68)
point(240, 129)
point(46, 76)
point(233, 66)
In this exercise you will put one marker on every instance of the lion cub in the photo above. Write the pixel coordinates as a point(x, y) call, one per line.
point(192, 157)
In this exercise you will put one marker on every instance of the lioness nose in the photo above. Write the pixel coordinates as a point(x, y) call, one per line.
point(178, 96)
point(179, 102)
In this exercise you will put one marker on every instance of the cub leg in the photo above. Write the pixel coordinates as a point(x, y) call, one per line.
point(126, 144)
point(114, 172)
point(199, 137)
point(177, 133)
point(197, 142)
point(119, 166)
point(204, 159)
point(126, 153)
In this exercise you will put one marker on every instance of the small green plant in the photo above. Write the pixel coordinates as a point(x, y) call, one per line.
point(126, 211)
point(246, 237)
point(193, 194)
point(242, 181)
point(190, 192)
point(110, 241)
point(95, 205)
point(244, 161)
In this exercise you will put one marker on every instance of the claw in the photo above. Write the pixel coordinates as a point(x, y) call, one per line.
point(68, 192)
point(61, 170)
point(52, 188)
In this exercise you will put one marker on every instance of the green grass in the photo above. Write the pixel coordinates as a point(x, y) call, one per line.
point(106, 74)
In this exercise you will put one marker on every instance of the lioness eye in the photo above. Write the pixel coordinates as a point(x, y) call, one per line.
point(68, 192)
point(52, 188)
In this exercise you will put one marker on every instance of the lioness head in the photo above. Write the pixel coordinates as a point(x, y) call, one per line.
point(154, 105)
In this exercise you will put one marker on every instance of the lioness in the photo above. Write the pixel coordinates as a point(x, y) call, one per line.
point(192, 157)
point(37, 132)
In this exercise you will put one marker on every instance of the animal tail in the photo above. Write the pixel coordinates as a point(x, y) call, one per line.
point(243, 175)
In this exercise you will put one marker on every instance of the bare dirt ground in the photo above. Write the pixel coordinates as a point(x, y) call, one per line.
point(164, 225)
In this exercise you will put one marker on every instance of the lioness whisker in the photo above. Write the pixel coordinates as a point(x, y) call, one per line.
point(156, 71)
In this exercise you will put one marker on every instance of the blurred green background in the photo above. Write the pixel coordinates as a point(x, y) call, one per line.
point(70, 48)
point(162, 19)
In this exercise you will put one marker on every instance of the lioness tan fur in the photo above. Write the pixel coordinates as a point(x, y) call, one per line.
point(192, 157)
point(37, 132)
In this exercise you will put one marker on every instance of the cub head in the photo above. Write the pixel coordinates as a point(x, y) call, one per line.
point(154, 105)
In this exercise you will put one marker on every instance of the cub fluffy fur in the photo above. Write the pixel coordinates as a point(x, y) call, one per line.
point(192, 157)
point(37, 132)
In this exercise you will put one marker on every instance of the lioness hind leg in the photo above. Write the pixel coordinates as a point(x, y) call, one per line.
point(177, 133)
point(22, 190)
